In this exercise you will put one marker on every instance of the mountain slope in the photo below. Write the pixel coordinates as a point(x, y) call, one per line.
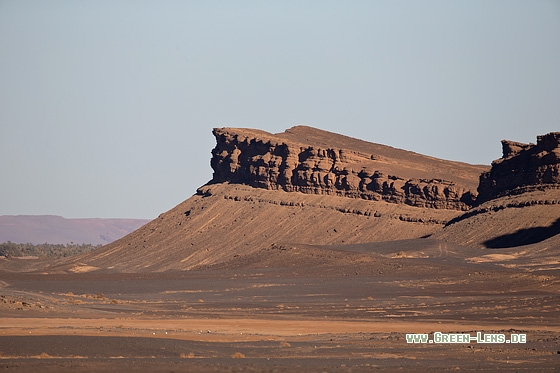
point(227, 220)
point(303, 186)
point(519, 200)
point(507, 221)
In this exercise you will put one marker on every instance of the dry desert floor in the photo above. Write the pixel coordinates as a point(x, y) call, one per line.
point(287, 309)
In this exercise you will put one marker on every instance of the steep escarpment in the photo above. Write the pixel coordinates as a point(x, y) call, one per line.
point(293, 188)
point(523, 167)
point(307, 160)
point(518, 202)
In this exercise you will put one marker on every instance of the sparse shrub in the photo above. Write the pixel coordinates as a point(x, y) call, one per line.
point(238, 355)
point(43, 250)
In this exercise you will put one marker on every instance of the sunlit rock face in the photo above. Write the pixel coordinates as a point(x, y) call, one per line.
point(263, 160)
point(523, 167)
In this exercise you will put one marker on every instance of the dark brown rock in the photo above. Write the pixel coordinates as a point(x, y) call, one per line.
point(275, 162)
point(523, 167)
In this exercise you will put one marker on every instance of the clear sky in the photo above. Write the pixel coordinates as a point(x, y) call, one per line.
point(107, 107)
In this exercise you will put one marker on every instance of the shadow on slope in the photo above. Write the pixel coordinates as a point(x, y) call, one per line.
point(523, 237)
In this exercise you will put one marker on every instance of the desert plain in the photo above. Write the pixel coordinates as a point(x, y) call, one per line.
point(310, 251)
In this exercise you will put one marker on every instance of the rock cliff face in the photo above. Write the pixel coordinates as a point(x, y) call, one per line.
point(523, 167)
point(274, 162)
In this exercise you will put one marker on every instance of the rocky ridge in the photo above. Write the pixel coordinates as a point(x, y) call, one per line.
point(522, 168)
point(518, 202)
point(246, 209)
point(373, 172)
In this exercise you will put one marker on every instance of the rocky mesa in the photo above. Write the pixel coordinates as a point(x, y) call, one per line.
point(523, 167)
point(518, 202)
point(311, 187)
point(301, 186)
point(307, 160)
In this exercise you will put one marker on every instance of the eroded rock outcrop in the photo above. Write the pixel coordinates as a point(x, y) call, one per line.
point(523, 167)
point(267, 161)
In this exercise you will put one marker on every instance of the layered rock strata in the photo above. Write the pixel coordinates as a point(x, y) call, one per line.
point(523, 167)
point(273, 162)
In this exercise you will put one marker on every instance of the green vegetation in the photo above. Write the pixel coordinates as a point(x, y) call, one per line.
point(44, 250)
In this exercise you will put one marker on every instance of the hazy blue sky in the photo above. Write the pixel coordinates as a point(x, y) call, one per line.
point(106, 107)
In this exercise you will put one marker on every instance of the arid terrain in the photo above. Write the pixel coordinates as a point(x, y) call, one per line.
point(310, 251)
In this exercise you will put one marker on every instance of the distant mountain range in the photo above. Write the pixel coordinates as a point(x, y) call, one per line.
point(52, 229)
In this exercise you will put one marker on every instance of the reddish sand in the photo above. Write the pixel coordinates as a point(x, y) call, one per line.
point(287, 316)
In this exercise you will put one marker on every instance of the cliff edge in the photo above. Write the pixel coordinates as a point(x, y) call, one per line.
point(523, 167)
point(307, 160)
point(518, 202)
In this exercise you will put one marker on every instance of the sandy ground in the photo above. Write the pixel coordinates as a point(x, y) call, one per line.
point(283, 316)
